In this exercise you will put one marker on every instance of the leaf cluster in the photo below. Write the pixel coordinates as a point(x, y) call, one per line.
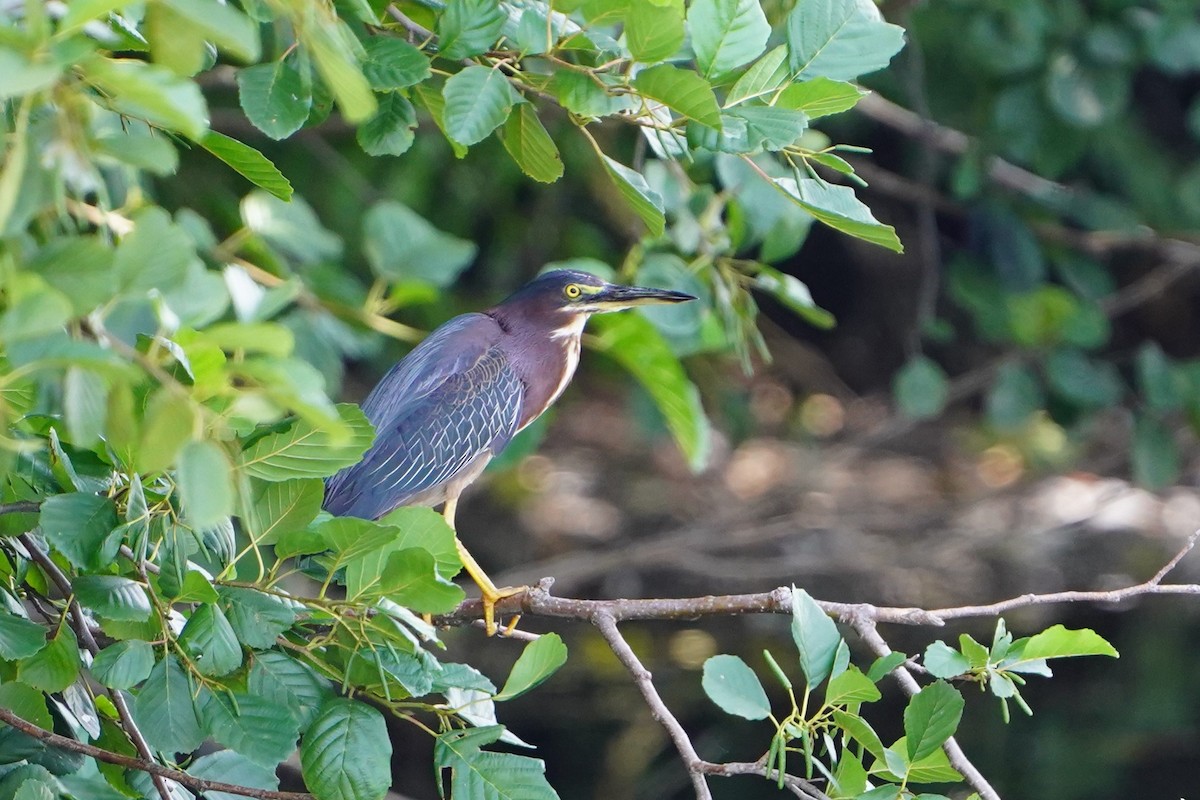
point(828, 733)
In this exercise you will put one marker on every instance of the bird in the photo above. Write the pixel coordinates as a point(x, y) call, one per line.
point(461, 395)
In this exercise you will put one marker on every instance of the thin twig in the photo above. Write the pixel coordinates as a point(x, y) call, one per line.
point(607, 625)
point(796, 785)
point(158, 771)
point(20, 507)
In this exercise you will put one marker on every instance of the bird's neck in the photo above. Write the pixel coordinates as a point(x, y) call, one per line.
point(545, 362)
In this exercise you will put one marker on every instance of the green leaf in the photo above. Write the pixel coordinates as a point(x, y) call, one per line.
point(540, 659)
point(248, 724)
point(85, 405)
point(113, 597)
point(644, 201)
point(55, 666)
point(469, 27)
point(1014, 397)
point(27, 703)
point(482, 775)
point(821, 97)
point(228, 766)
point(526, 140)
point(653, 31)
point(478, 100)
point(734, 687)
point(581, 95)
point(346, 752)
point(1155, 457)
point(333, 50)
point(816, 637)
point(292, 227)
point(633, 342)
point(222, 24)
point(37, 313)
point(155, 253)
point(391, 131)
point(1083, 381)
point(410, 578)
point(247, 162)
point(393, 63)
point(764, 77)
point(727, 34)
point(21, 75)
point(174, 42)
point(1060, 642)
point(839, 39)
point(860, 731)
point(79, 525)
point(1162, 387)
point(851, 686)
point(210, 641)
point(123, 665)
point(257, 619)
point(789, 290)
point(19, 637)
point(205, 484)
point(305, 451)
point(884, 665)
point(168, 426)
point(400, 245)
point(943, 661)
point(682, 91)
point(931, 718)
point(921, 388)
point(422, 527)
point(288, 684)
point(840, 209)
point(435, 104)
point(274, 97)
point(152, 93)
point(281, 506)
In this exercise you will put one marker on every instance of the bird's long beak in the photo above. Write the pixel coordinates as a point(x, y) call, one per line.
point(615, 298)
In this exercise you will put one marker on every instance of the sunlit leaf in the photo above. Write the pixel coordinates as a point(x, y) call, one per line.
point(931, 718)
point(539, 660)
point(247, 162)
point(733, 686)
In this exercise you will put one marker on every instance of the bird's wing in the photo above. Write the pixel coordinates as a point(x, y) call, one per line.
point(452, 399)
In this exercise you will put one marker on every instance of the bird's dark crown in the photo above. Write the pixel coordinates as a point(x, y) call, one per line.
point(557, 289)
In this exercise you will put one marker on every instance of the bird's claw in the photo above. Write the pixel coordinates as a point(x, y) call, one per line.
point(493, 595)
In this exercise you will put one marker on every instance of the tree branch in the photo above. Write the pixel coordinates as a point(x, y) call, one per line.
point(607, 625)
point(156, 770)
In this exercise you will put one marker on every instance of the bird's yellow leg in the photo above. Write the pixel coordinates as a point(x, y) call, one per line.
point(489, 592)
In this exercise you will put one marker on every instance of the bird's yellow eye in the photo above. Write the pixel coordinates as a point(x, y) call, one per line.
point(572, 291)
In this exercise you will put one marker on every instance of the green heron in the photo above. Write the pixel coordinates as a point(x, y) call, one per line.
point(460, 397)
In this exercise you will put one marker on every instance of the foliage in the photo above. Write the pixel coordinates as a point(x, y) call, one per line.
point(832, 738)
point(167, 371)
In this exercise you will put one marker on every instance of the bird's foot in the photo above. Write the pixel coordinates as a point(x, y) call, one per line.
point(493, 595)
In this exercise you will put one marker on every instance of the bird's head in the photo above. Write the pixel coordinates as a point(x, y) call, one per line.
point(575, 294)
